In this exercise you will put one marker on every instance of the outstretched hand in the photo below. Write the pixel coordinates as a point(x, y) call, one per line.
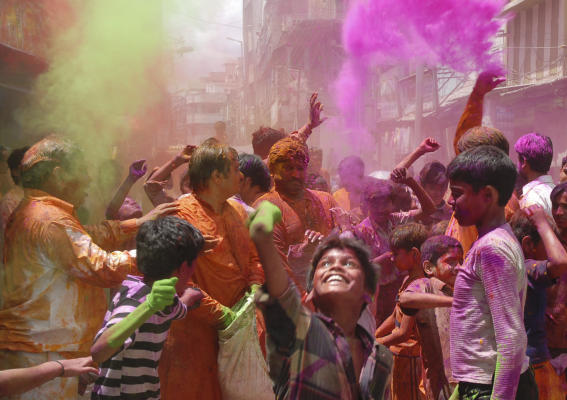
point(162, 294)
point(137, 169)
point(487, 81)
point(160, 211)
point(315, 109)
point(78, 366)
point(429, 145)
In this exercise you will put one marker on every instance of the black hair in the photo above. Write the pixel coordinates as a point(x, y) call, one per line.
point(435, 246)
point(14, 160)
point(360, 250)
point(558, 191)
point(408, 236)
point(522, 227)
point(433, 173)
point(164, 244)
point(483, 166)
point(254, 168)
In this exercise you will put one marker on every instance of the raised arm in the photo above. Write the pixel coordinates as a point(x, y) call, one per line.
point(429, 145)
point(136, 171)
point(164, 172)
point(427, 205)
point(556, 254)
point(261, 228)
point(315, 109)
point(472, 116)
point(424, 300)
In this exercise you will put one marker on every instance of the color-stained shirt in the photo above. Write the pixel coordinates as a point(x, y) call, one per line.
point(433, 331)
point(534, 313)
point(8, 203)
point(132, 371)
point(342, 197)
point(538, 192)
point(310, 358)
point(488, 338)
point(55, 269)
point(312, 212)
point(224, 274)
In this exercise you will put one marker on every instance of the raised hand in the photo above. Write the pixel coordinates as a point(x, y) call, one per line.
point(137, 169)
point(185, 155)
point(399, 175)
point(487, 81)
point(429, 145)
point(315, 109)
point(162, 294)
point(536, 214)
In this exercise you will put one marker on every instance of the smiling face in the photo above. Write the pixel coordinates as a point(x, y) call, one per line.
point(339, 276)
point(447, 266)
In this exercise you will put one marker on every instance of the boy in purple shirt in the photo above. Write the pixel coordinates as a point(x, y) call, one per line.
point(488, 338)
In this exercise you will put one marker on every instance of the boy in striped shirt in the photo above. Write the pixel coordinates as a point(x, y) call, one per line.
point(129, 345)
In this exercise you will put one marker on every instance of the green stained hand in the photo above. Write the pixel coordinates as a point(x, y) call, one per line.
point(162, 294)
point(264, 219)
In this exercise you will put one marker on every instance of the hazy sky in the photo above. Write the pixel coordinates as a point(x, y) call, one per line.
point(204, 25)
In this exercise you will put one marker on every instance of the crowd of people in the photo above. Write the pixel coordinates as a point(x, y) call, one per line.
point(262, 277)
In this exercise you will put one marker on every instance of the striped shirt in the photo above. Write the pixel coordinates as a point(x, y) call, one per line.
point(488, 338)
point(132, 373)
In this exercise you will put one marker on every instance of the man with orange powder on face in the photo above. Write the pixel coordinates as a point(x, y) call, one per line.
point(188, 368)
point(306, 217)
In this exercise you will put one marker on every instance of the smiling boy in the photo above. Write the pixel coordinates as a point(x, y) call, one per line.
point(488, 339)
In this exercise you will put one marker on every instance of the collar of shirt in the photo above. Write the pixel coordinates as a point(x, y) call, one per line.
point(540, 180)
point(40, 195)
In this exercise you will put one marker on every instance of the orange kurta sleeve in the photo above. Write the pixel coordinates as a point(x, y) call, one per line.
point(110, 235)
point(472, 116)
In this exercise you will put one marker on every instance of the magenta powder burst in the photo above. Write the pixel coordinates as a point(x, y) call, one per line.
point(454, 33)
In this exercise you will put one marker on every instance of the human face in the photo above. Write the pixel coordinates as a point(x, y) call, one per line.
point(289, 176)
point(352, 178)
point(559, 211)
point(404, 260)
point(72, 183)
point(563, 174)
point(469, 207)
point(231, 183)
point(379, 210)
point(448, 265)
point(436, 191)
point(339, 275)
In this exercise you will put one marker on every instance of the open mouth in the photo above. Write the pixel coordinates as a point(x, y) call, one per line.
point(335, 278)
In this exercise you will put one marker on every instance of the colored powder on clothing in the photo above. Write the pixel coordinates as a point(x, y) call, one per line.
point(454, 33)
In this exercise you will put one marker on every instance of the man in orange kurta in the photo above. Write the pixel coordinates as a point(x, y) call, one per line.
point(52, 300)
point(188, 366)
point(306, 215)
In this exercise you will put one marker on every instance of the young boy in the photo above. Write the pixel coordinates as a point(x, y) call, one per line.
point(323, 353)
point(546, 261)
point(128, 347)
point(488, 339)
point(398, 331)
point(441, 257)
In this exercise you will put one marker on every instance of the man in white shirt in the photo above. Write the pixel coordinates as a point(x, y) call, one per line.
point(535, 154)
